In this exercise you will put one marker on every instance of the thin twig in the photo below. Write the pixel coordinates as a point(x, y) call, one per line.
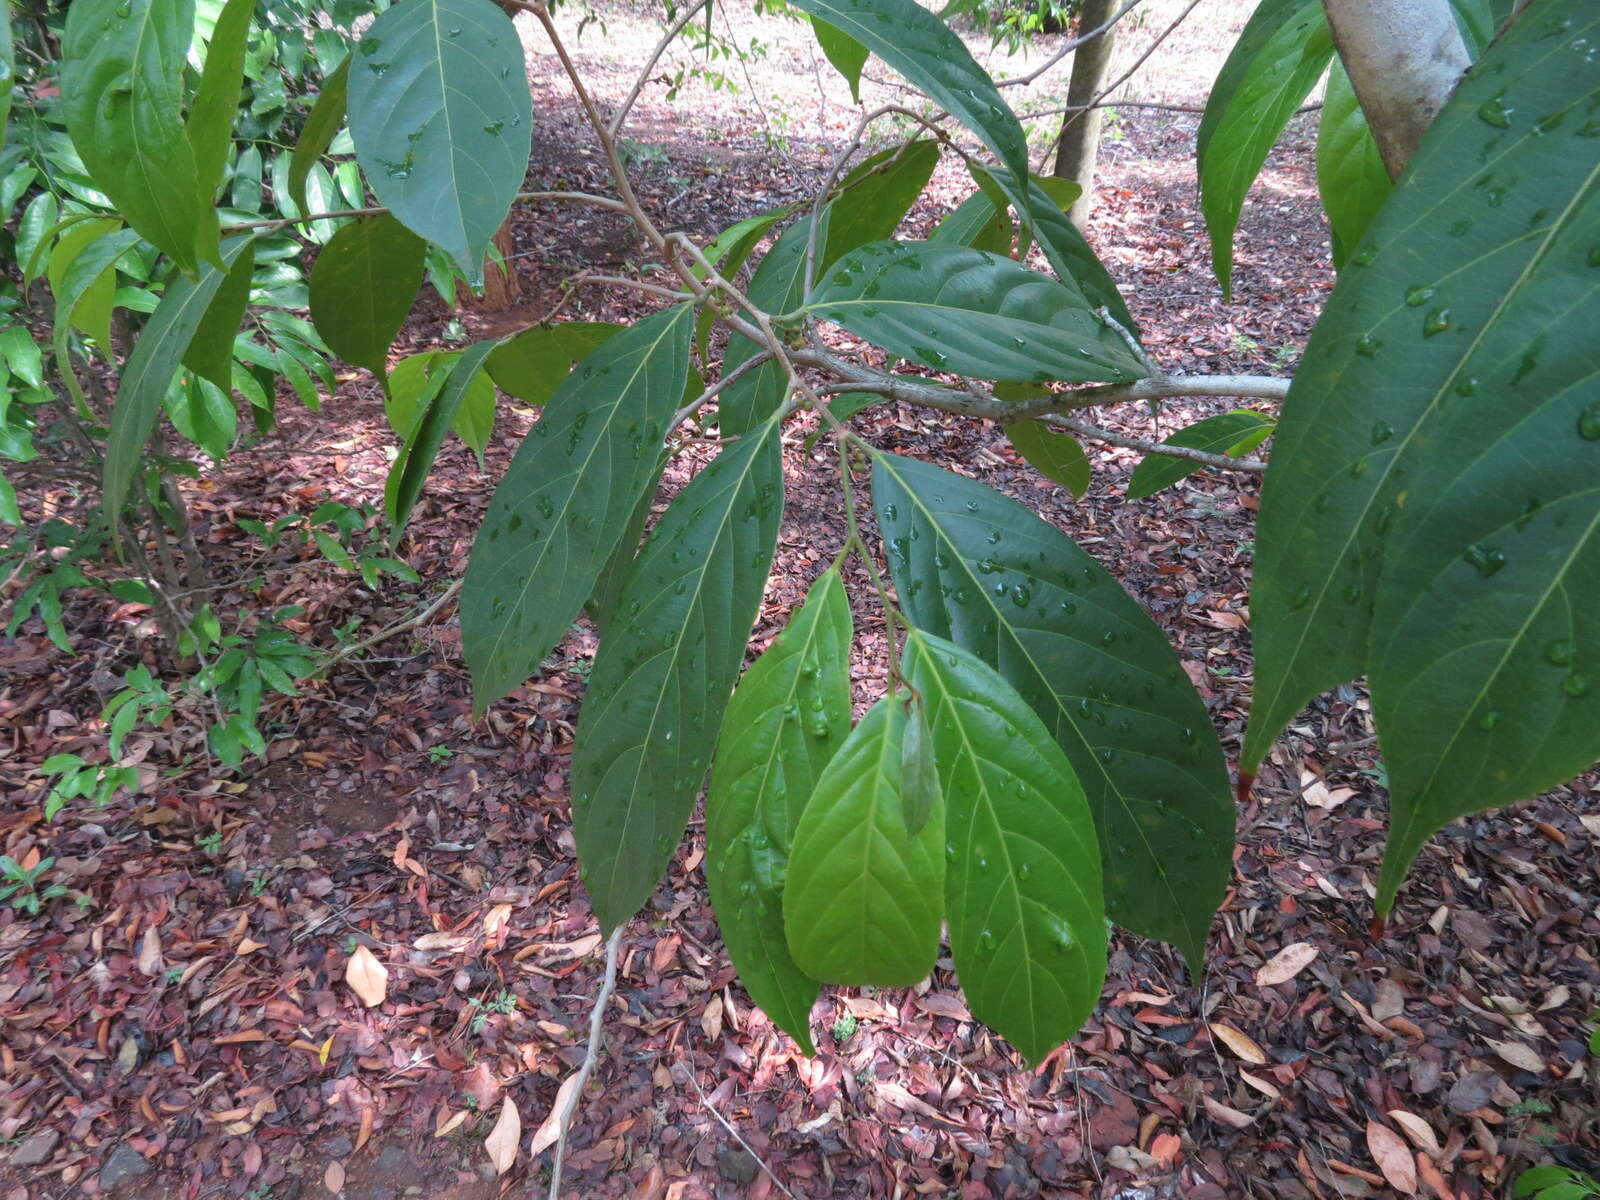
point(1069, 46)
point(564, 1114)
point(686, 1071)
point(1120, 80)
point(394, 630)
point(1249, 466)
point(643, 76)
point(749, 364)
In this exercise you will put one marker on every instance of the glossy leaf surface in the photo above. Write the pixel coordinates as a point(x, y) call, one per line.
point(982, 571)
point(1233, 433)
point(122, 94)
point(788, 716)
point(442, 120)
point(971, 313)
point(1022, 880)
point(566, 498)
point(1462, 280)
point(864, 899)
point(665, 669)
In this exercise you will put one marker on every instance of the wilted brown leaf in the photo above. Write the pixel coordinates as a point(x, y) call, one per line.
point(368, 978)
point(1286, 964)
point(1240, 1043)
point(503, 1138)
point(1393, 1157)
point(545, 1136)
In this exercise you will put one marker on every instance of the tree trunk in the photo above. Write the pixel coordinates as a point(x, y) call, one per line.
point(501, 287)
point(1079, 145)
point(1404, 58)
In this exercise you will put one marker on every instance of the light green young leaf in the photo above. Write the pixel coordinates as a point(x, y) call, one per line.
point(1056, 456)
point(90, 310)
point(216, 104)
point(979, 569)
point(563, 504)
point(1468, 273)
point(1283, 51)
point(151, 369)
point(316, 135)
point(1233, 433)
point(122, 94)
point(1022, 880)
point(863, 900)
point(971, 313)
point(442, 120)
point(1350, 173)
point(665, 669)
point(847, 55)
point(410, 471)
point(363, 286)
point(785, 721)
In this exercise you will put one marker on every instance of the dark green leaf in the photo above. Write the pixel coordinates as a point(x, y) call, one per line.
point(1056, 456)
point(150, 371)
point(531, 365)
point(1350, 172)
point(216, 104)
point(602, 602)
point(204, 413)
point(971, 313)
point(1070, 256)
point(1232, 433)
point(979, 569)
point(566, 499)
point(665, 669)
point(322, 123)
point(977, 223)
point(1452, 311)
point(785, 721)
point(362, 287)
point(1283, 51)
point(847, 55)
point(1484, 658)
point(210, 351)
point(410, 471)
point(863, 900)
point(442, 119)
point(1022, 888)
point(122, 93)
point(843, 406)
point(922, 48)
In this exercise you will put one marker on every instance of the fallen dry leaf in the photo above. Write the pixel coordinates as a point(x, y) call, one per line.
point(711, 1019)
point(1393, 1157)
point(1286, 964)
point(1524, 1058)
point(368, 978)
point(1418, 1130)
point(545, 1136)
point(333, 1177)
point(150, 952)
point(1240, 1043)
point(1228, 1116)
point(503, 1138)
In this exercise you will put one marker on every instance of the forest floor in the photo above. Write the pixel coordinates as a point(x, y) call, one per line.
point(186, 1029)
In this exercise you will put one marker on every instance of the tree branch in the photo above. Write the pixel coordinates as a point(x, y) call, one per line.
point(564, 1113)
point(1222, 461)
point(1404, 58)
